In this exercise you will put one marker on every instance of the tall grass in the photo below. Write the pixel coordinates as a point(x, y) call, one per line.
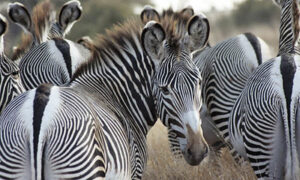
point(162, 165)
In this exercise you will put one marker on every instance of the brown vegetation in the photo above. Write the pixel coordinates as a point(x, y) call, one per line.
point(162, 165)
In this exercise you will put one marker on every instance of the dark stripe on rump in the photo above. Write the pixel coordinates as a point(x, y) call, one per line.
point(64, 48)
point(288, 69)
point(40, 101)
point(256, 45)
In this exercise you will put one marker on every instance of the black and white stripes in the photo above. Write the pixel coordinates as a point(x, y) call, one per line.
point(10, 83)
point(97, 126)
point(264, 122)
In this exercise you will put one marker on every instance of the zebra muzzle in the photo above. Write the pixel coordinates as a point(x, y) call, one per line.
point(196, 149)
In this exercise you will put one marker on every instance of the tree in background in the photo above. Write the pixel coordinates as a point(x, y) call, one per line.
point(252, 12)
point(99, 15)
point(260, 17)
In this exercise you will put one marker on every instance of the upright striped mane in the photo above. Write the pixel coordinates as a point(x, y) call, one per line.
point(175, 22)
point(26, 42)
point(129, 31)
point(43, 15)
point(296, 25)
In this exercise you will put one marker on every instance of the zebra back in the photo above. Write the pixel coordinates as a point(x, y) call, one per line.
point(55, 60)
point(42, 26)
point(135, 75)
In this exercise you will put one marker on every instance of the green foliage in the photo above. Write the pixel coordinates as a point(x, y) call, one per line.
point(97, 14)
point(102, 14)
point(248, 14)
point(255, 11)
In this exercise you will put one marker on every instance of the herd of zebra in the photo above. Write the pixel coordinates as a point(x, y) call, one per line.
point(82, 110)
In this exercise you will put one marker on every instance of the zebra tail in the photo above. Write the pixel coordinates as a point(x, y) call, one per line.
point(287, 146)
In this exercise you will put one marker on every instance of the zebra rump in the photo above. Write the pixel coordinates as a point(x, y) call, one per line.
point(37, 144)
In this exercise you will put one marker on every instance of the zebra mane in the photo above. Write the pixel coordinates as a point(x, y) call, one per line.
point(18, 51)
point(43, 17)
point(179, 21)
point(118, 37)
point(296, 25)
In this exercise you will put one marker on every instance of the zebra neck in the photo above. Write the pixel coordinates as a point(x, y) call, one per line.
point(289, 28)
point(120, 78)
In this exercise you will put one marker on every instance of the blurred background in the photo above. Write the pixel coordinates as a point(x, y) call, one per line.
point(227, 17)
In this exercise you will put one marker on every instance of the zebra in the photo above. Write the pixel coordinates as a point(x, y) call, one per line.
point(264, 122)
point(49, 61)
point(43, 26)
point(225, 69)
point(133, 77)
point(10, 84)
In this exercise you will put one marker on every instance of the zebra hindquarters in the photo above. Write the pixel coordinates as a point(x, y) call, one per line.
point(264, 121)
point(49, 133)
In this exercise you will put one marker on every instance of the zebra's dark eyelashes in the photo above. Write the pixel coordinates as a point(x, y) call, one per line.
point(165, 89)
point(15, 74)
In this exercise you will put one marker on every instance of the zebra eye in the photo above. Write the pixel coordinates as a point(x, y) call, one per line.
point(165, 90)
point(15, 74)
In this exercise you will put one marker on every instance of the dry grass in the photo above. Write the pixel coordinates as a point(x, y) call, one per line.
point(162, 165)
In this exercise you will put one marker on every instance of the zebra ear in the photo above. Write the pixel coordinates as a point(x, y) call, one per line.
point(148, 14)
point(152, 38)
point(198, 30)
point(3, 25)
point(188, 11)
point(69, 14)
point(18, 13)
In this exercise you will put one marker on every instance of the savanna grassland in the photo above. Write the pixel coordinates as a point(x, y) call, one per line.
point(162, 165)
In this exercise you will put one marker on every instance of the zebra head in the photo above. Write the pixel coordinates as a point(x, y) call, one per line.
point(42, 25)
point(10, 85)
point(38, 26)
point(176, 86)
